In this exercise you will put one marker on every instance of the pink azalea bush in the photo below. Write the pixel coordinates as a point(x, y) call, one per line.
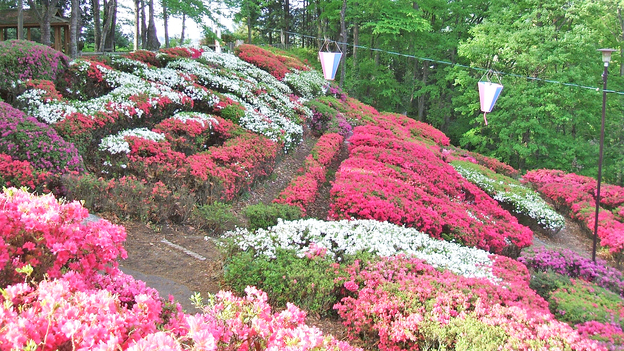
point(395, 173)
point(406, 304)
point(578, 195)
point(302, 190)
point(50, 236)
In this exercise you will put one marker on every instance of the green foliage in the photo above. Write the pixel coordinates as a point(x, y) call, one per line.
point(216, 217)
point(21, 60)
point(233, 113)
point(265, 216)
point(307, 283)
point(462, 334)
point(582, 302)
point(545, 282)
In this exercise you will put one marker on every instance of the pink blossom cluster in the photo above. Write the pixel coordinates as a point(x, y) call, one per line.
point(303, 189)
point(398, 298)
point(608, 333)
point(194, 135)
point(51, 237)
point(276, 65)
point(395, 173)
point(15, 173)
point(578, 194)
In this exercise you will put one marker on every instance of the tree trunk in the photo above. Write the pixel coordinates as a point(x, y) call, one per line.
point(166, 23)
point(44, 14)
point(356, 43)
point(108, 32)
point(20, 20)
point(319, 25)
point(97, 23)
point(343, 38)
point(73, 32)
point(249, 26)
point(183, 28)
point(286, 39)
point(152, 38)
point(421, 98)
point(137, 20)
point(143, 26)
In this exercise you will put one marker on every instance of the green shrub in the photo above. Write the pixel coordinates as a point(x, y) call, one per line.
point(545, 282)
point(265, 216)
point(312, 284)
point(462, 334)
point(21, 60)
point(582, 302)
point(216, 217)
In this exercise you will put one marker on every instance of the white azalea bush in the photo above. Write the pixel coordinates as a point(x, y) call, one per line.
point(340, 238)
point(507, 190)
point(307, 84)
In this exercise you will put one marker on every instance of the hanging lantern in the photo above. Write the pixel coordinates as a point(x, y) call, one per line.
point(488, 94)
point(329, 60)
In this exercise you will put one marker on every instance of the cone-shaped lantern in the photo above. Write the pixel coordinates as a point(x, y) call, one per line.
point(329, 61)
point(488, 94)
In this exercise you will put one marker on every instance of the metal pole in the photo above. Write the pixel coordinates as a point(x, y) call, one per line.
point(602, 128)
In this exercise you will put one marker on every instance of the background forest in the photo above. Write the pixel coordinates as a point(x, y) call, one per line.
point(423, 59)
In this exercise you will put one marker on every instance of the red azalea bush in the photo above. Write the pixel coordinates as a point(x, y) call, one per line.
point(182, 52)
point(389, 178)
point(263, 59)
point(15, 173)
point(144, 56)
point(89, 83)
point(302, 191)
point(222, 172)
point(49, 236)
point(577, 194)
point(194, 134)
point(406, 304)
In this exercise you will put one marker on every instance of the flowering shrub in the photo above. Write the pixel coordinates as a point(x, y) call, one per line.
point(509, 191)
point(392, 177)
point(192, 132)
point(454, 153)
point(302, 190)
point(22, 60)
point(327, 120)
point(609, 334)
point(263, 59)
point(49, 236)
point(571, 264)
point(26, 139)
point(15, 173)
point(307, 84)
point(144, 56)
point(577, 193)
point(340, 238)
point(406, 305)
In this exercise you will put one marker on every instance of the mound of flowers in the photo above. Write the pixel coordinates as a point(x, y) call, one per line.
point(585, 294)
point(302, 190)
point(395, 173)
point(506, 190)
point(262, 58)
point(578, 195)
point(61, 289)
point(406, 304)
point(454, 153)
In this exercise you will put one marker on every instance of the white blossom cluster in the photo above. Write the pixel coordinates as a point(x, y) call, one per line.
point(232, 62)
point(524, 200)
point(116, 144)
point(350, 237)
point(203, 118)
point(309, 84)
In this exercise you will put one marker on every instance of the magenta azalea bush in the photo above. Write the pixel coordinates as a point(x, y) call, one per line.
point(26, 139)
point(578, 195)
point(408, 305)
point(21, 60)
point(303, 189)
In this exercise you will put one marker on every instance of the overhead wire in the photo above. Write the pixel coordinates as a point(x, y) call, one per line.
point(463, 66)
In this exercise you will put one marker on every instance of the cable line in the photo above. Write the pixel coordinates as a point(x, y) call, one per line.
point(460, 65)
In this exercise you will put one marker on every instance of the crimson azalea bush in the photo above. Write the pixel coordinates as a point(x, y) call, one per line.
point(26, 139)
point(15, 173)
point(22, 60)
point(395, 173)
point(577, 194)
point(302, 190)
point(263, 59)
point(406, 304)
point(456, 153)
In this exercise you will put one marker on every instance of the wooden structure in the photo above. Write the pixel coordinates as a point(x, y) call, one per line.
point(58, 24)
